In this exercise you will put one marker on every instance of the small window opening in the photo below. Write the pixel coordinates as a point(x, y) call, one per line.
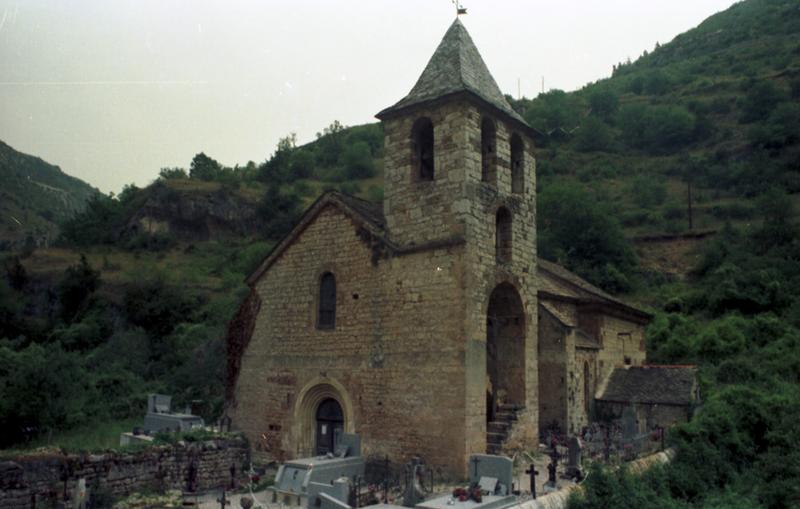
point(517, 164)
point(488, 151)
point(327, 302)
point(422, 148)
point(503, 235)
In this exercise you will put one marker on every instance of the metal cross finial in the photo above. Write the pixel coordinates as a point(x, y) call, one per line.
point(459, 9)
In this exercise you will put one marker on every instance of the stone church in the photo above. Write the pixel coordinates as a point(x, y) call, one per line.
point(426, 324)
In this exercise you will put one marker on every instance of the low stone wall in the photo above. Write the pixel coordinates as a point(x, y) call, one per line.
point(41, 480)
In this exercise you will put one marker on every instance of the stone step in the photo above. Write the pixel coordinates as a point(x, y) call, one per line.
point(498, 427)
point(505, 417)
point(495, 438)
point(510, 407)
point(493, 449)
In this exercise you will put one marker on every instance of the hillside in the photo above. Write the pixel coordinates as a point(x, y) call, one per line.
point(712, 115)
point(34, 198)
point(715, 109)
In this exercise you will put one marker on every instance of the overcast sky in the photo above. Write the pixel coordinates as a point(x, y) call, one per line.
point(114, 90)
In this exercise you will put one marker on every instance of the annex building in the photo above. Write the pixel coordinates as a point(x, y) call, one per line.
point(427, 324)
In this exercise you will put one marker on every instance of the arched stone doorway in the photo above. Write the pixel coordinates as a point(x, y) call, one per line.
point(322, 405)
point(329, 423)
point(505, 350)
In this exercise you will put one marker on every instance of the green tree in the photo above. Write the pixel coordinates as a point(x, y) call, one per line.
point(204, 168)
point(647, 192)
point(357, 161)
point(10, 308)
point(330, 143)
point(593, 135)
point(77, 284)
point(16, 274)
point(277, 169)
point(279, 209)
point(656, 82)
point(778, 228)
point(759, 101)
point(603, 102)
point(157, 306)
point(582, 234)
point(172, 173)
point(42, 388)
point(554, 109)
point(99, 223)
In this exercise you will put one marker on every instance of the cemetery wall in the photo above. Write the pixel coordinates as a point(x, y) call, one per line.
point(43, 479)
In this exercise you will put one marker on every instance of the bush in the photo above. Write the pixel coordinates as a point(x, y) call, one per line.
point(733, 211)
point(554, 109)
point(656, 128)
point(647, 192)
point(576, 231)
point(77, 284)
point(593, 135)
point(42, 388)
point(656, 82)
point(157, 306)
point(154, 242)
point(781, 129)
point(603, 102)
point(357, 161)
point(204, 168)
point(759, 101)
point(278, 210)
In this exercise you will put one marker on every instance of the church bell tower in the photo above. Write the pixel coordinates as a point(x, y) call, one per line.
point(459, 171)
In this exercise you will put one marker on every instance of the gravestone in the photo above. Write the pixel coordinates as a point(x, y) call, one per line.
point(630, 428)
point(414, 492)
point(575, 447)
point(80, 496)
point(490, 466)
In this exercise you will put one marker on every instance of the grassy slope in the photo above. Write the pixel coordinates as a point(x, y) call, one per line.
point(707, 70)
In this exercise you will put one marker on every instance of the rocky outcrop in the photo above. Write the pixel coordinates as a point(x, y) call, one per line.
point(207, 212)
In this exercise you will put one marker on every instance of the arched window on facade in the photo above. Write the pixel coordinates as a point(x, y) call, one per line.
point(326, 316)
point(422, 148)
point(517, 164)
point(488, 151)
point(503, 235)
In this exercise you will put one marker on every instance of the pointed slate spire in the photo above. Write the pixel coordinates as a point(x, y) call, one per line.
point(456, 66)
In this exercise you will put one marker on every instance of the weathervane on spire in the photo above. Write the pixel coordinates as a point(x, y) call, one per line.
point(459, 9)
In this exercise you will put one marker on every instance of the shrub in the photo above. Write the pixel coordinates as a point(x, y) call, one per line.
point(357, 161)
point(77, 284)
point(603, 102)
point(585, 236)
point(157, 306)
point(759, 101)
point(279, 209)
point(647, 192)
point(42, 388)
point(593, 135)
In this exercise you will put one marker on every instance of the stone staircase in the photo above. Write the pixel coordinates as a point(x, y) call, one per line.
point(497, 431)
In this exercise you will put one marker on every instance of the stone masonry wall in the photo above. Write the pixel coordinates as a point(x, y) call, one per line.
point(552, 374)
point(480, 202)
point(394, 360)
point(38, 480)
